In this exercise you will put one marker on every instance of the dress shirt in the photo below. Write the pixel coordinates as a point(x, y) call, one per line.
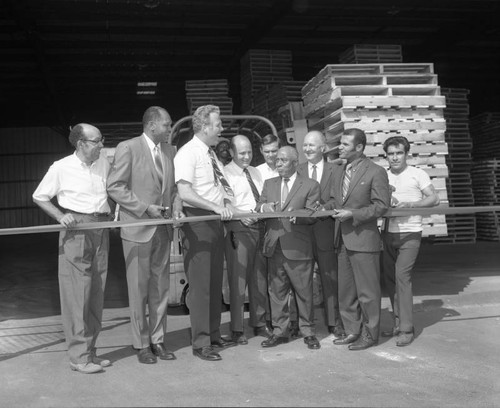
point(193, 164)
point(319, 169)
point(78, 187)
point(291, 180)
point(266, 171)
point(243, 197)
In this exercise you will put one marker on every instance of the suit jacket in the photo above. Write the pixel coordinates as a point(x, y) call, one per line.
point(368, 198)
point(294, 238)
point(134, 184)
point(323, 229)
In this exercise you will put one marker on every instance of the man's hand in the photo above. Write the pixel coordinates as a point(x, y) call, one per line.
point(342, 215)
point(269, 207)
point(293, 220)
point(225, 213)
point(67, 220)
point(156, 211)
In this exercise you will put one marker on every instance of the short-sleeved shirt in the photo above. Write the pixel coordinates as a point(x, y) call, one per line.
point(193, 164)
point(243, 196)
point(266, 171)
point(78, 187)
point(409, 185)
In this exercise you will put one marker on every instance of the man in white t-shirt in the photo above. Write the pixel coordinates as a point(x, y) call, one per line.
point(412, 188)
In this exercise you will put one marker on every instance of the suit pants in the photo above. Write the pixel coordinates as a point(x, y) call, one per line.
point(399, 256)
point(148, 281)
point(328, 272)
point(203, 244)
point(260, 281)
point(359, 291)
point(242, 245)
point(285, 274)
point(83, 268)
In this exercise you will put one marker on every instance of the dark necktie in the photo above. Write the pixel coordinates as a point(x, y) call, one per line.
point(314, 173)
point(347, 180)
point(255, 192)
point(218, 176)
point(284, 191)
point(158, 165)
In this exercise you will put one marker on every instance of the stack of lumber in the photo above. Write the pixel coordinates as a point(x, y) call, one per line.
point(485, 129)
point(209, 92)
point(369, 53)
point(260, 68)
point(385, 100)
point(461, 227)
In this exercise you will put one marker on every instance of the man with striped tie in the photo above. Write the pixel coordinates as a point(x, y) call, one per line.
point(243, 239)
point(361, 194)
point(204, 190)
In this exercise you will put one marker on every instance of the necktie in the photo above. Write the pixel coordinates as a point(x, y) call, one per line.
point(314, 173)
point(158, 165)
point(347, 180)
point(284, 191)
point(218, 176)
point(255, 192)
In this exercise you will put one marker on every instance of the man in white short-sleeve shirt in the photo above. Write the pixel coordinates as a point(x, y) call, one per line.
point(412, 188)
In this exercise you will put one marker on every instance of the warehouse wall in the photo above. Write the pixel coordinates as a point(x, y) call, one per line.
point(25, 156)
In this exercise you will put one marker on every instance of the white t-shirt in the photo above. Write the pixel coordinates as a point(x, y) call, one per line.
point(409, 185)
point(266, 171)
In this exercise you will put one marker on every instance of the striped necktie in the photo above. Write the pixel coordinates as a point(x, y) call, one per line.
point(255, 192)
point(218, 176)
point(158, 165)
point(347, 180)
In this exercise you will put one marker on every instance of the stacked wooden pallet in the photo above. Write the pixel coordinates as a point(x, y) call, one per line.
point(369, 53)
point(210, 91)
point(485, 129)
point(461, 227)
point(260, 68)
point(269, 99)
point(486, 183)
point(384, 100)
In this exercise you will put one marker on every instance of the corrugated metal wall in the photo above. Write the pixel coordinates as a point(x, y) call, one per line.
point(25, 156)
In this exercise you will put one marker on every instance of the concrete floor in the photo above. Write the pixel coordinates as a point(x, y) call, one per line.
point(454, 361)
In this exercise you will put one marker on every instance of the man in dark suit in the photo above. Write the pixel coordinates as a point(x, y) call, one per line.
point(141, 181)
point(316, 168)
point(287, 244)
point(361, 195)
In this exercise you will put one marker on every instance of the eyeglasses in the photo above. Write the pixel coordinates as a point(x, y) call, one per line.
point(95, 142)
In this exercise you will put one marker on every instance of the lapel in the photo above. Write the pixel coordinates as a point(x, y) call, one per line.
point(149, 160)
point(325, 177)
point(167, 165)
point(338, 184)
point(356, 177)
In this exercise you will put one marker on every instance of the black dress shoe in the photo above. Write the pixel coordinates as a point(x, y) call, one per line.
point(223, 343)
point(160, 351)
point(274, 340)
point(146, 356)
point(239, 338)
point(351, 338)
point(312, 342)
point(263, 331)
point(207, 353)
point(362, 343)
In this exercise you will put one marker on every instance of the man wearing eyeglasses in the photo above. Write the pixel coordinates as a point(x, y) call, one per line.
point(79, 182)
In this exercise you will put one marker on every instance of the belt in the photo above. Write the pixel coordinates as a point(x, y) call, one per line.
point(94, 214)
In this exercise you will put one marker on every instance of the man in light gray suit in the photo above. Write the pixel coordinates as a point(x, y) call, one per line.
point(141, 181)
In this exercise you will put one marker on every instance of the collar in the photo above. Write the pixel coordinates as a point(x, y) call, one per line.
point(319, 165)
point(150, 143)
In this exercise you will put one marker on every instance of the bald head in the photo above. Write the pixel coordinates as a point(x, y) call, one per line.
point(314, 146)
point(241, 151)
